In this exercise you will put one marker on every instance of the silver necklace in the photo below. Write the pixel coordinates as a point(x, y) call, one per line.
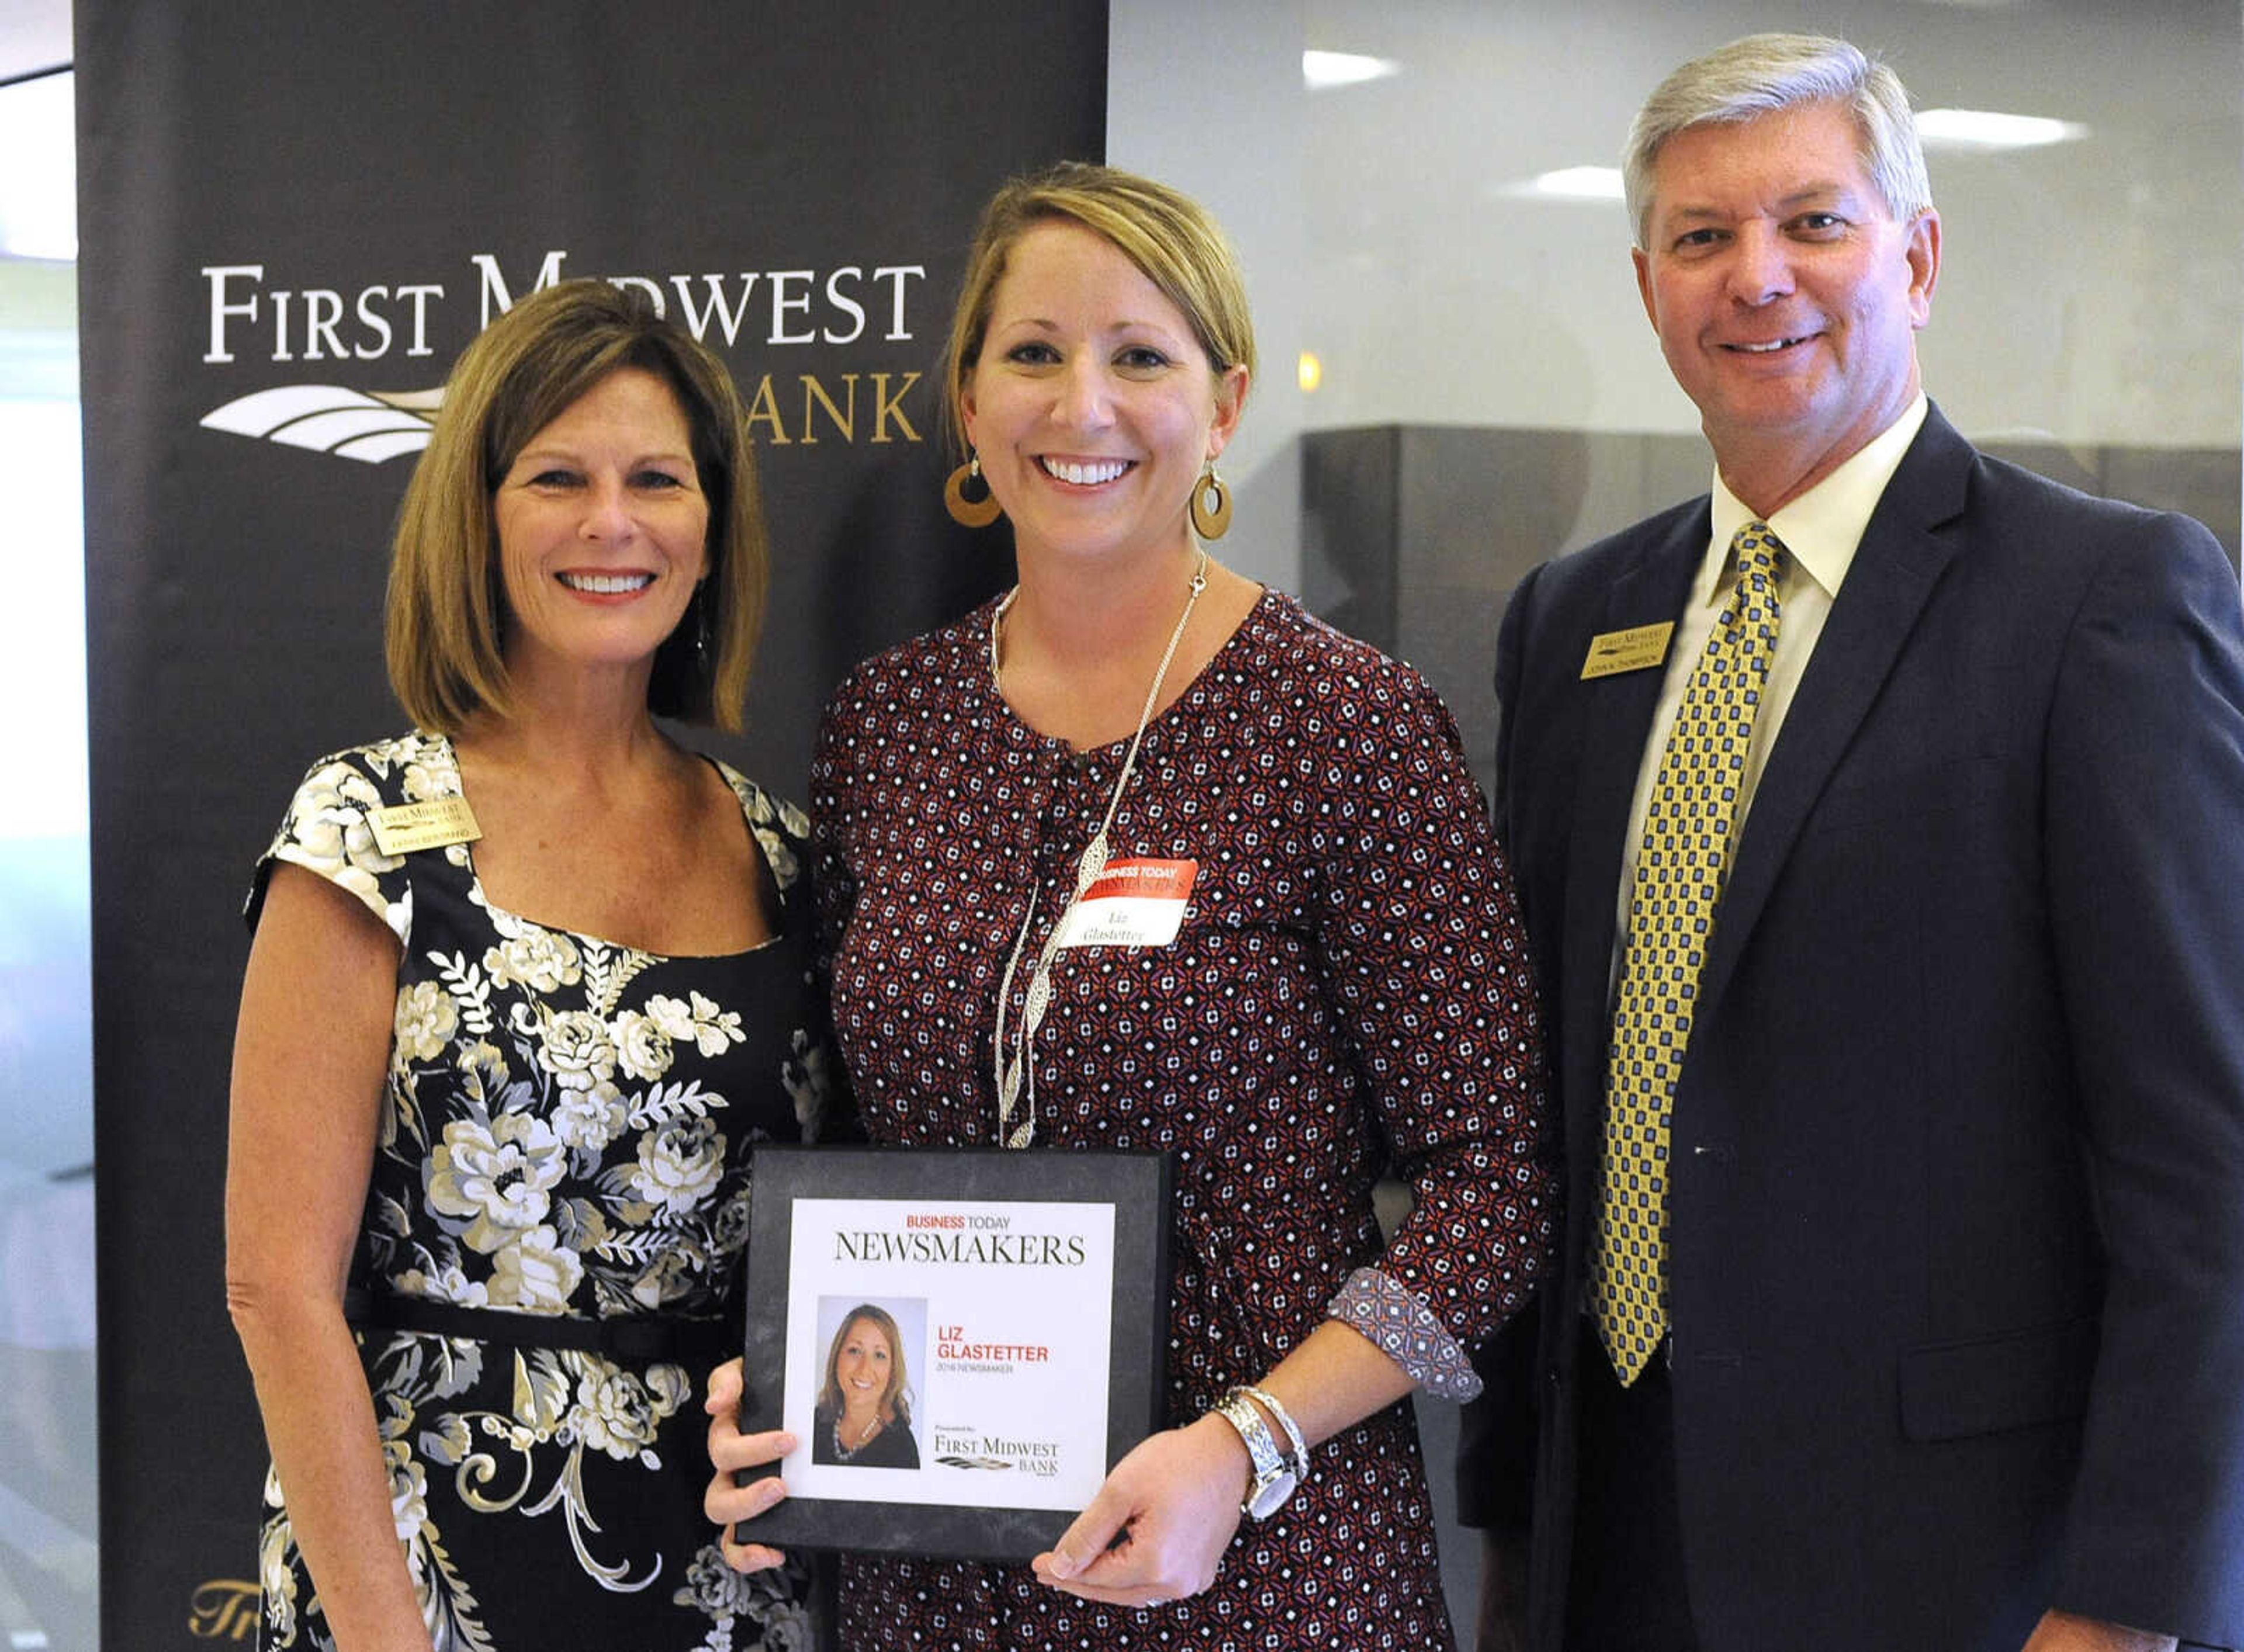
point(1010, 1074)
point(845, 1453)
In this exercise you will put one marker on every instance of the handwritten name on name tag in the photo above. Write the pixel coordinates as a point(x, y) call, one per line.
point(1139, 902)
point(1614, 652)
point(404, 828)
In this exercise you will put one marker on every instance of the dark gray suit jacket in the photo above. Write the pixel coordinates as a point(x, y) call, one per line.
point(1958, 1180)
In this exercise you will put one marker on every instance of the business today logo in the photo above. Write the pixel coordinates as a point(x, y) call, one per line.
point(850, 318)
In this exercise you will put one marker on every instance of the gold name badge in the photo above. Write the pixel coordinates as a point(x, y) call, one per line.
point(1614, 652)
point(440, 821)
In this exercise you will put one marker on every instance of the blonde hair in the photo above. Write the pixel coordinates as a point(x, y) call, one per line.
point(1168, 236)
point(447, 604)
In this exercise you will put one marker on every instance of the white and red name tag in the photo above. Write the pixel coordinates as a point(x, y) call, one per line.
point(1134, 903)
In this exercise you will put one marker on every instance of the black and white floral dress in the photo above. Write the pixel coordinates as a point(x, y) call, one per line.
point(564, 1131)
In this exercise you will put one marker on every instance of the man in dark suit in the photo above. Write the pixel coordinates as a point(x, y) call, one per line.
point(1901, 1302)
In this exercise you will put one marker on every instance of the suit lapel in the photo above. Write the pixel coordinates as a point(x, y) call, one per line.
point(1893, 574)
point(1614, 725)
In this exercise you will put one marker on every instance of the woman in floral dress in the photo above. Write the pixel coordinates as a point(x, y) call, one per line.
point(526, 985)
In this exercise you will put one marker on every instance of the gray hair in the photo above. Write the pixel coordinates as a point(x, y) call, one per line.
point(1764, 74)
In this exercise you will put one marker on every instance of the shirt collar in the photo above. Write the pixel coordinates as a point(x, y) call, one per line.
point(1822, 527)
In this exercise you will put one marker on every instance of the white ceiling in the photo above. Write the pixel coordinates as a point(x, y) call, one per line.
point(34, 35)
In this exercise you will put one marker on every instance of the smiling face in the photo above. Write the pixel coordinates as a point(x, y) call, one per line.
point(603, 529)
point(864, 1367)
point(1092, 404)
point(1786, 297)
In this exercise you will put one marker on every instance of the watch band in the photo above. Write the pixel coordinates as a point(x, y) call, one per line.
point(1299, 1461)
point(1274, 1479)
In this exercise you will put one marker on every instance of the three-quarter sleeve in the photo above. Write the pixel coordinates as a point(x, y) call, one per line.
point(1427, 967)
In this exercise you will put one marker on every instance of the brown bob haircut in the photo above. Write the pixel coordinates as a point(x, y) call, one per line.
point(1168, 236)
point(447, 609)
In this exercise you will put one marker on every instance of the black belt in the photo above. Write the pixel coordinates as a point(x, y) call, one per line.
point(633, 1339)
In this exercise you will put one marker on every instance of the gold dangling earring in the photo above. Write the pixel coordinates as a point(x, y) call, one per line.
point(1211, 520)
point(966, 495)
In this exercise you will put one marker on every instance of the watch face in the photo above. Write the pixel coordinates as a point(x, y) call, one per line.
point(1270, 1494)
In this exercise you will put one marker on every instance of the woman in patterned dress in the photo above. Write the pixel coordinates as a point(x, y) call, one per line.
point(1347, 989)
point(526, 983)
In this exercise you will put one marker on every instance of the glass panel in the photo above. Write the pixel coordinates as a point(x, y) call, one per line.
point(1467, 266)
point(47, 1433)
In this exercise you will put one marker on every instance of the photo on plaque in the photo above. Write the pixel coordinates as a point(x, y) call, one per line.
point(863, 1416)
point(963, 1341)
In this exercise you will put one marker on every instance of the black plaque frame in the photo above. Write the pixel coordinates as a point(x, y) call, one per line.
point(1135, 1184)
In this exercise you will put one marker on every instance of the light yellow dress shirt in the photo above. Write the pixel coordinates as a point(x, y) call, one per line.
point(1821, 528)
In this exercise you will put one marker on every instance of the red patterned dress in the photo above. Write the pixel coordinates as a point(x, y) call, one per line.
point(1349, 992)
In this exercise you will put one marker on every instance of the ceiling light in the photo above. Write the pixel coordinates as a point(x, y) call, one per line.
point(1986, 129)
point(1322, 70)
point(1569, 183)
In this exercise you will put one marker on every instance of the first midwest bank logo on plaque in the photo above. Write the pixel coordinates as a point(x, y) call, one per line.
point(253, 316)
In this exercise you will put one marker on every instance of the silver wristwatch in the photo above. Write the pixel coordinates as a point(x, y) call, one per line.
point(1274, 1480)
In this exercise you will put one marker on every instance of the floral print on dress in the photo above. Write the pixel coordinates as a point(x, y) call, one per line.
point(565, 1132)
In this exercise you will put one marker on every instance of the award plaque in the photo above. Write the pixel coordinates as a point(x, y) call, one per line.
point(963, 1341)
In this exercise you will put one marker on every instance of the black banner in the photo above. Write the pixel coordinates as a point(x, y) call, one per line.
point(292, 220)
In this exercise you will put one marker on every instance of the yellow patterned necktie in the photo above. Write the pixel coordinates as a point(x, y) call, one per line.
point(1689, 825)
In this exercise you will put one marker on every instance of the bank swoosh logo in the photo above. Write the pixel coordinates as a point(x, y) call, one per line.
point(369, 426)
point(950, 1461)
